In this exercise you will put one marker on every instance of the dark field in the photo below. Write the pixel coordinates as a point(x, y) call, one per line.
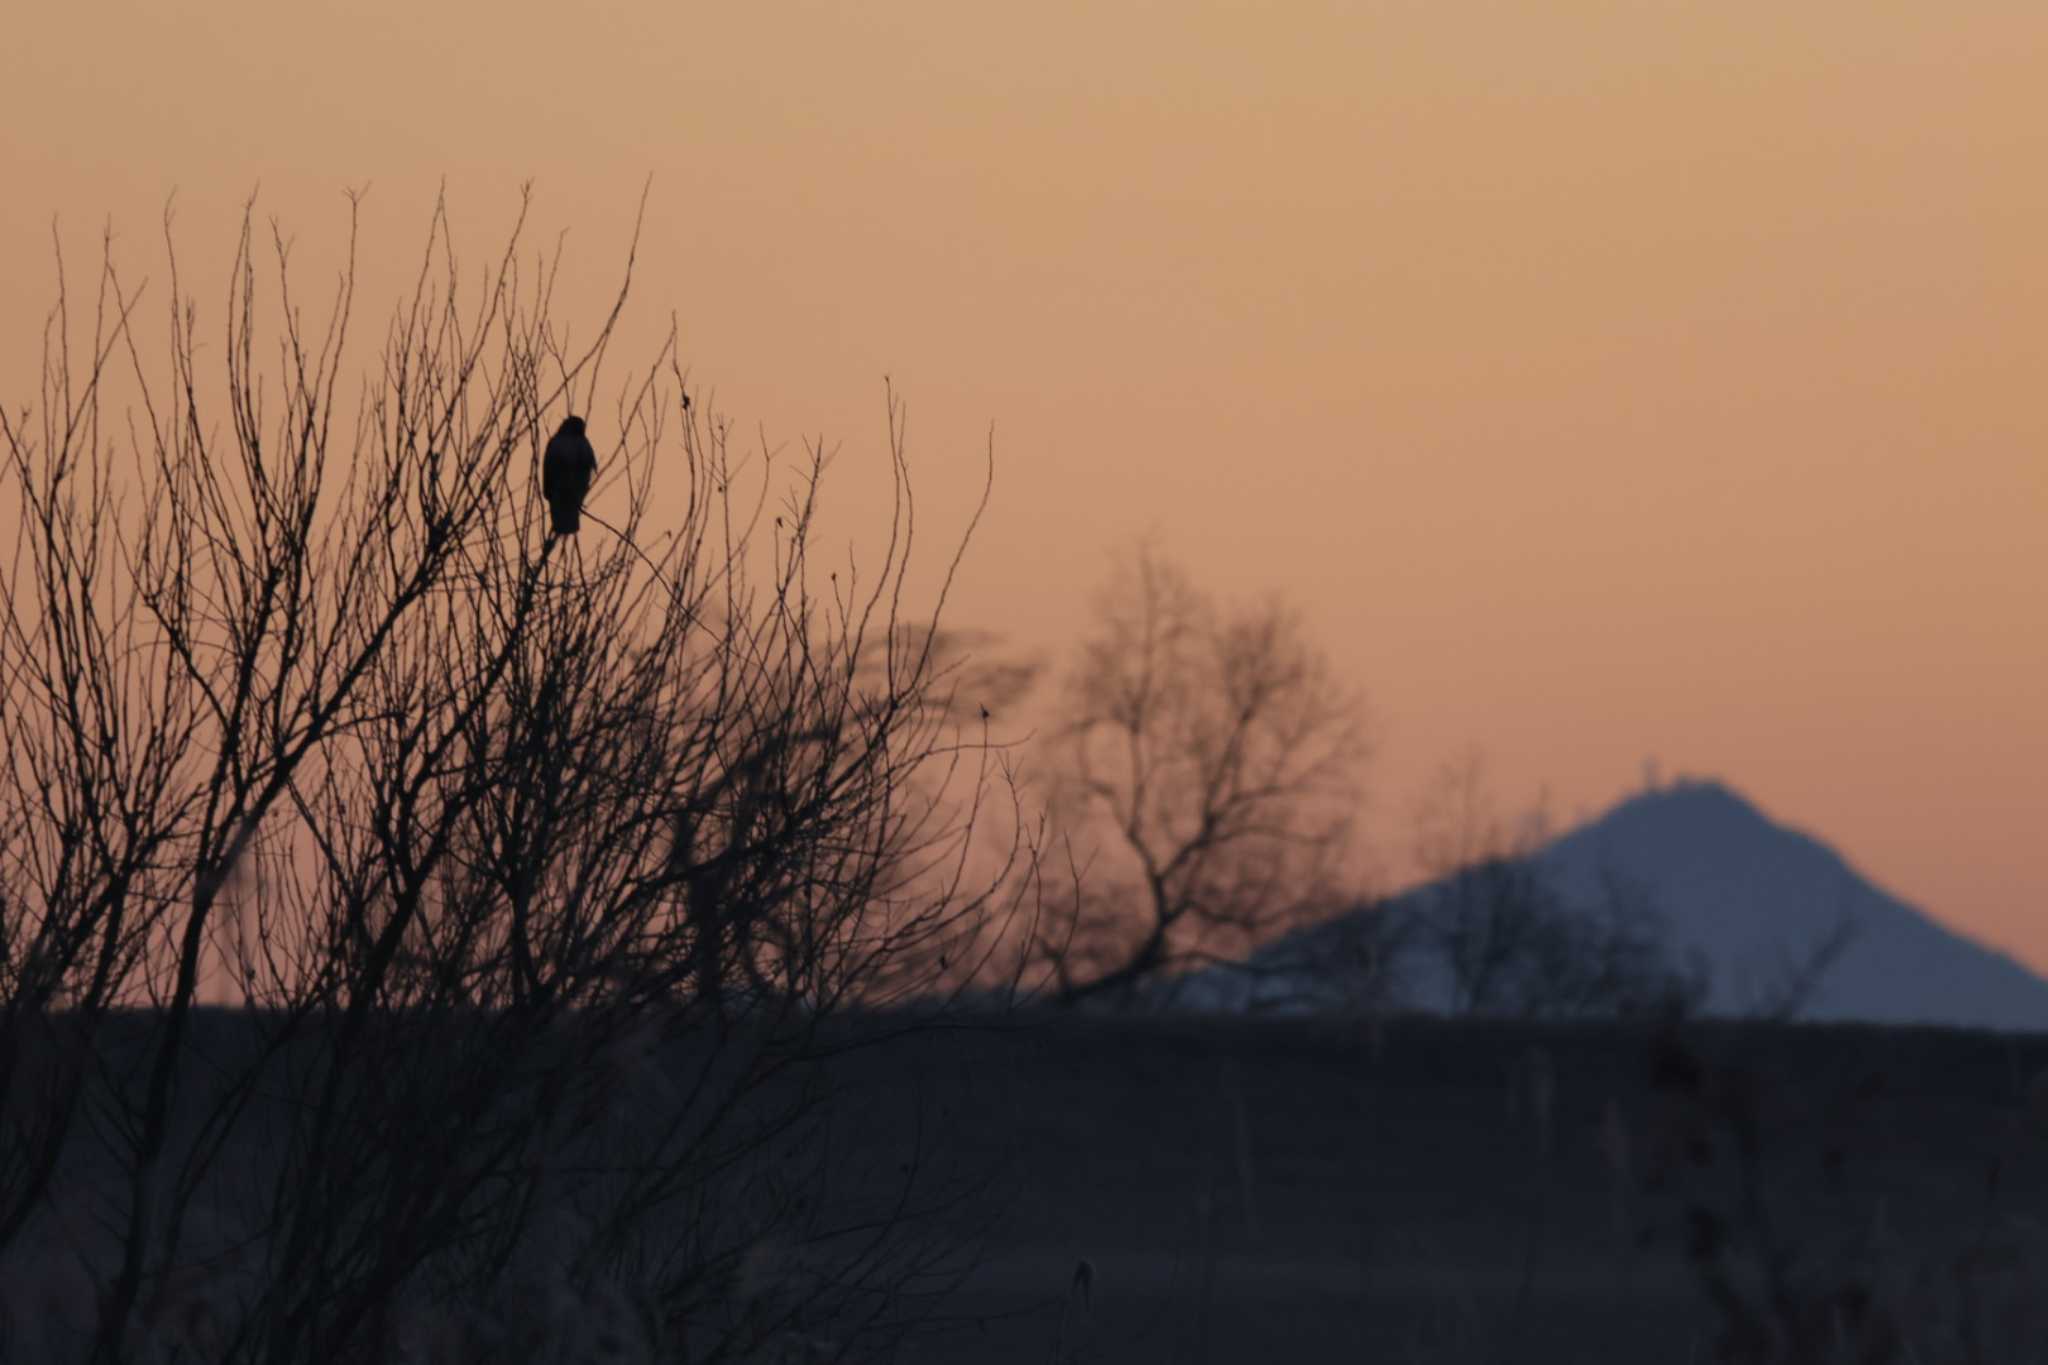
point(1298, 1190)
point(1132, 1190)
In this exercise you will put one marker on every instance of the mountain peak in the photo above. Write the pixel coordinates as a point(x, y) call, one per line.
point(1754, 898)
point(1754, 901)
point(1698, 823)
point(1703, 804)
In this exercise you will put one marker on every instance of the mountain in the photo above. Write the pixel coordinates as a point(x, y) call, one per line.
point(1747, 898)
point(1746, 893)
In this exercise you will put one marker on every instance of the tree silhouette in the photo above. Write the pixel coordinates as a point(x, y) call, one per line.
point(539, 897)
point(1507, 941)
point(1209, 781)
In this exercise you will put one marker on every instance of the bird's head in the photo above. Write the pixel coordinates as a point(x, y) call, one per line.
point(571, 426)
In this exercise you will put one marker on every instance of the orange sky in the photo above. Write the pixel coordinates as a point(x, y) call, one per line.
point(1606, 379)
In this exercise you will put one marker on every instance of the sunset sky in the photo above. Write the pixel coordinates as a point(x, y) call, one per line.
point(1606, 380)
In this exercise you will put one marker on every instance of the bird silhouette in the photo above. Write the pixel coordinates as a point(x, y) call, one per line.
point(565, 475)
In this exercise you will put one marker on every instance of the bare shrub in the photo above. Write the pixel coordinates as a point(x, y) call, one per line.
point(543, 874)
point(1507, 942)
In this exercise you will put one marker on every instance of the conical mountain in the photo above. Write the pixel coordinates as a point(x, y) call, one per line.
point(1772, 914)
point(1755, 900)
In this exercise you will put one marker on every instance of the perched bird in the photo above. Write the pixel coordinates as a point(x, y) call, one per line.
point(565, 474)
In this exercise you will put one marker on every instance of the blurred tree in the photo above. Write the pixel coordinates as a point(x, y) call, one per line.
point(1209, 765)
point(1492, 922)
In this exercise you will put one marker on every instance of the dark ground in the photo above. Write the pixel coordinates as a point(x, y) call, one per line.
point(1308, 1190)
point(1430, 1191)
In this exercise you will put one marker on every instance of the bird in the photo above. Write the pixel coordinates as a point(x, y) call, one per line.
point(565, 474)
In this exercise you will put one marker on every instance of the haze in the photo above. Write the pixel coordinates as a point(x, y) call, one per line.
point(1605, 381)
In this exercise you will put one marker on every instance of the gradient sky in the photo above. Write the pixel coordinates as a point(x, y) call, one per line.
point(1606, 380)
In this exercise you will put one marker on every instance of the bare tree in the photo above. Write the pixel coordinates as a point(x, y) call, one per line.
point(1209, 781)
point(1507, 941)
point(543, 873)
